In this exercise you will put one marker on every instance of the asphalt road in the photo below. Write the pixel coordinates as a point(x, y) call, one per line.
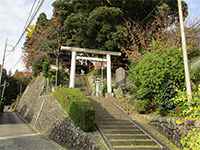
point(17, 135)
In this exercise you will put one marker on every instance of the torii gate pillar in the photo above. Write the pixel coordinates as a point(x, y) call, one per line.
point(109, 75)
point(72, 70)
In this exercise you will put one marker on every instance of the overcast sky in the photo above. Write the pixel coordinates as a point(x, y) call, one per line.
point(13, 14)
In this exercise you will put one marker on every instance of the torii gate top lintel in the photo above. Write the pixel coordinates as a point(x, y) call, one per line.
point(92, 51)
point(108, 54)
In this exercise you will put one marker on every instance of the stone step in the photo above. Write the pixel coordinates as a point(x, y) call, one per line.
point(117, 131)
point(119, 126)
point(126, 136)
point(113, 118)
point(137, 148)
point(122, 129)
point(114, 122)
point(130, 142)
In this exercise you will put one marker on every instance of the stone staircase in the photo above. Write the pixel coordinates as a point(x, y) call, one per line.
point(119, 131)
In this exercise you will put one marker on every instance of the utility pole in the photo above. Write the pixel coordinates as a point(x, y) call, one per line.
point(57, 65)
point(58, 55)
point(3, 60)
point(184, 49)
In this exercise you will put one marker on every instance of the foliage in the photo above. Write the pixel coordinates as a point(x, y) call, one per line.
point(78, 106)
point(142, 106)
point(15, 85)
point(37, 40)
point(157, 76)
point(195, 75)
point(45, 69)
point(118, 92)
point(1, 108)
point(63, 77)
point(66, 95)
point(83, 115)
point(186, 109)
point(36, 67)
point(192, 140)
point(30, 31)
point(195, 71)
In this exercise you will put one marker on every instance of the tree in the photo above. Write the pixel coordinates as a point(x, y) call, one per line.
point(101, 24)
point(33, 43)
point(16, 84)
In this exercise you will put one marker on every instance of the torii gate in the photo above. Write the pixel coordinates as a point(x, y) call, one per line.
point(75, 50)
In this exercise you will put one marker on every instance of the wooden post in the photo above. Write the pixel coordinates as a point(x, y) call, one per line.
point(72, 70)
point(109, 75)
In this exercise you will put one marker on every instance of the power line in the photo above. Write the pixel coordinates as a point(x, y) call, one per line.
point(39, 5)
point(30, 14)
point(27, 24)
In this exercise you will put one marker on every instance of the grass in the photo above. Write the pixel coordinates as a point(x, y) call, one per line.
point(66, 95)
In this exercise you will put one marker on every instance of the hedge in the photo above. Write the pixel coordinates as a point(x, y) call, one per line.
point(83, 115)
point(78, 106)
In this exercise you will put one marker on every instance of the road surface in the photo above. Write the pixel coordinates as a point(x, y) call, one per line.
point(16, 135)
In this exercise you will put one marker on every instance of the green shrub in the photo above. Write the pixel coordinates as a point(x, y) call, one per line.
point(1, 107)
point(2, 104)
point(195, 75)
point(143, 106)
point(188, 110)
point(36, 67)
point(192, 140)
point(45, 69)
point(78, 106)
point(62, 77)
point(157, 76)
point(83, 115)
point(118, 92)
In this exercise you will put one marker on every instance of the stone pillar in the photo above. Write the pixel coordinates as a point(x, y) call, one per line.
point(109, 75)
point(72, 70)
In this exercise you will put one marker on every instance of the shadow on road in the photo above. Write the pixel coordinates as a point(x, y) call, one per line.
point(9, 118)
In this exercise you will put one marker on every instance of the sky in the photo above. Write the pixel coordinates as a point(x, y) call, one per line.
point(13, 14)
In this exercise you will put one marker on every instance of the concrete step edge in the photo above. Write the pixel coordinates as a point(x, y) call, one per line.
point(138, 146)
point(122, 129)
point(110, 134)
point(130, 140)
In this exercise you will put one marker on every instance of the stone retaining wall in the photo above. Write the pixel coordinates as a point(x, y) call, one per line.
point(174, 129)
point(45, 114)
point(64, 132)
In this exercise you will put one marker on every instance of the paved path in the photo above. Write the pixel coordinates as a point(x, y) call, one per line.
point(16, 135)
